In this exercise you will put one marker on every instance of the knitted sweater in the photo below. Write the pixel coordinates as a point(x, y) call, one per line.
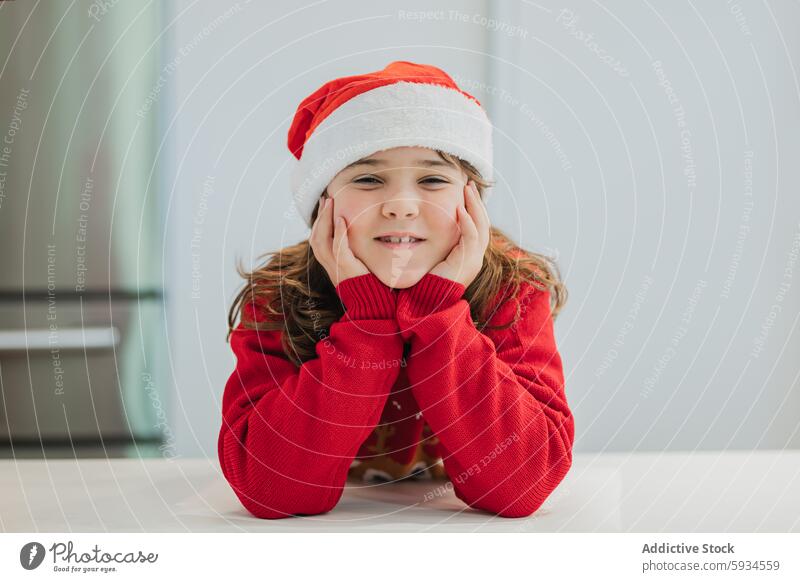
point(485, 409)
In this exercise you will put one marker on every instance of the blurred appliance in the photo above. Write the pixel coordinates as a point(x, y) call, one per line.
point(82, 354)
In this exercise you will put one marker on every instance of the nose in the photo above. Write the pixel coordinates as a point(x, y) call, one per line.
point(402, 205)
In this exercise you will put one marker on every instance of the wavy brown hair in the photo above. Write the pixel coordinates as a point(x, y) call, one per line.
point(293, 292)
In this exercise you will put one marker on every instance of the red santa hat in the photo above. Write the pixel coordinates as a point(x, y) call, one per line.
point(405, 104)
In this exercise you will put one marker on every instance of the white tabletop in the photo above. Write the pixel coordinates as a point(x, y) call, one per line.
point(734, 491)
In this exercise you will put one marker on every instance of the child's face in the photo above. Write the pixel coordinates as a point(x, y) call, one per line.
point(404, 189)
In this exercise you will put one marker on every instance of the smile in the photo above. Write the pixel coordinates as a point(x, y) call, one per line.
point(399, 242)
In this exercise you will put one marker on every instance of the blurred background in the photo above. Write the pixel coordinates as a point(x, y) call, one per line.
point(651, 149)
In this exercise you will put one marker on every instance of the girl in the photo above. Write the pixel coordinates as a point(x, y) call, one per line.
point(406, 338)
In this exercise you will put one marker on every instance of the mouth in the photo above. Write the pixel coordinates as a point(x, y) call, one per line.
point(399, 242)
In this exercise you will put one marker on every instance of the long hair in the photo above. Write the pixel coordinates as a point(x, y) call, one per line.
point(293, 292)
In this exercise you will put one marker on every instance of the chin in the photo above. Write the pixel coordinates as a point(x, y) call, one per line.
point(401, 280)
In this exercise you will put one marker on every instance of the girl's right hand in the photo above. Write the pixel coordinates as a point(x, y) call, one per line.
point(331, 246)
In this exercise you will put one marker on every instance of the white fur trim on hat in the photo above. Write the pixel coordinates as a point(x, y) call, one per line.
point(395, 115)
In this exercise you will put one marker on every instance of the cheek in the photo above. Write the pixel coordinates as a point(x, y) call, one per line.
point(348, 209)
point(446, 221)
point(356, 217)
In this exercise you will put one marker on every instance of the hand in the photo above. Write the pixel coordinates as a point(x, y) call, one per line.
point(331, 246)
point(466, 258)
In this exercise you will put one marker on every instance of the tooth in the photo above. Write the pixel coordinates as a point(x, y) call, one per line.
point(399, 239)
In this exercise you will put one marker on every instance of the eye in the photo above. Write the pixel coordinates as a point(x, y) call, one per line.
point(367, 180)
point(372, 180)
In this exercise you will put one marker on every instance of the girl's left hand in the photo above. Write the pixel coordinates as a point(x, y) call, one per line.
point(466, 258)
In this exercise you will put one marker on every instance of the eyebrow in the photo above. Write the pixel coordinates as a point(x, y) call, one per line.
point(425, 163)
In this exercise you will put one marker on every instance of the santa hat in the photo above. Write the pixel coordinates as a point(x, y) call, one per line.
point(405, 104)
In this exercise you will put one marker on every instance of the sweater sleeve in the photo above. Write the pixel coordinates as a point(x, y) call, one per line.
point(495, 399)
point(289, 434)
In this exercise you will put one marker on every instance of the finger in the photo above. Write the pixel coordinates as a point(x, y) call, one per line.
point(329, 214)
point(478, 209)
point(313, 237)
point(463, 206)
point(335, 248)
point(468, 228)
point(324, 231)
point(320, 220)
point(458, 253)
point(337, 229)
point(469, 235)
point(340, 242)
point(469, 197)
point(480, 217)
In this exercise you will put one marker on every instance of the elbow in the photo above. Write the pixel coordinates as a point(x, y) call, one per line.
point(281, 509)
point(504, 507)
point(266, 494)
point(526, 501)
point(273, 497)
point(518, 510)
point(543, 478)
point(524, 506)
point(260, 503)
point(531, 502)
point(533, 498)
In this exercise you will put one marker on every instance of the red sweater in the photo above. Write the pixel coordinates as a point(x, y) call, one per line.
point(495, 400)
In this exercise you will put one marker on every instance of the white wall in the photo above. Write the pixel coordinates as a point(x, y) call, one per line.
point(647, 219)
point(590, 170)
